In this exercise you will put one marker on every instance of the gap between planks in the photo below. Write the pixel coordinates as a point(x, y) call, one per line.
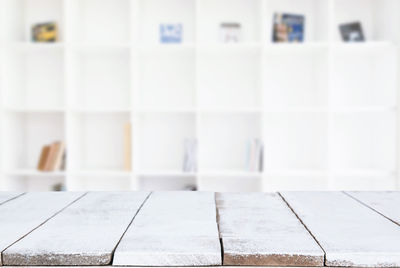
point(370, 207)
point(51, 216)
point(305, 226)
point(129, 225)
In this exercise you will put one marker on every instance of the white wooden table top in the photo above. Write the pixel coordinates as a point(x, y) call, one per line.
point(142, 229)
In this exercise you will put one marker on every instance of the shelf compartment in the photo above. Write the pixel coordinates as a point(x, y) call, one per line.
point(160, 141)
point(296, 141)
point(21, 15)
point(316, 14)
point(25, 135)
point(100, 78)
point(167, 183)
point(32, 74)
point(376, 17)
point(214, 12)
point(229, 78)
point(96, 141)
point(153, 13)
point(294, 78)
point(364, 141)
point(93, 21)
point(365, 76)
point(237, 183)
point(167, 80)
point(224, 139)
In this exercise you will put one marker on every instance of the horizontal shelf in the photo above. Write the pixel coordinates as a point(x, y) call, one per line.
point(276, 109)
point(34, 173)
point(229, 173)
point(166, 173)
point(361, 109)
point(364, 172)
point(165, 110)
point(100, 110)
point(361, 45)
point(202, 46)
point(100, 173)
point(297, 172)
point(34, 109)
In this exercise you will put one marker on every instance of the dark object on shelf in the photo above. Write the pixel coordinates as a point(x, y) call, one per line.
point(44, 32)
point(190, 188)
point(351, 32)
point(288, 28)
point(58, 187)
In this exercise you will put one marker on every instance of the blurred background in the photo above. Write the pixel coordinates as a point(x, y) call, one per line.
point(220, 95)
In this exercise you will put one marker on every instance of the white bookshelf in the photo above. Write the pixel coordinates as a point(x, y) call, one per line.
point(326, 111)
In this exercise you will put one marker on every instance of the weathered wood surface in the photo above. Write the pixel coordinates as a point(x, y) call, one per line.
point(172, 229)
point(21, 215)
point(85, 233)
point(7, 196)
point(386, 203)
point(350, 233)
point(260, 229)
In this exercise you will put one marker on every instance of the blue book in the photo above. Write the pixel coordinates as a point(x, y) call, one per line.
point(171, 33)
point(288, 28)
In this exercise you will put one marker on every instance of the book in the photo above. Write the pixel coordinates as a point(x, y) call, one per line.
point(171, 33)
point(44, 32)
point(351, 32)
point(58, 156)
point(51, 159)
point(230, 32)
point(288, 28)
point(43, 158)
point(255, 155)
point(190, 155)
point(127, 147)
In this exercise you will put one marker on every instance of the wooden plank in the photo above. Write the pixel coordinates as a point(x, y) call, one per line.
point(25, 213)
point(172, 229)
point(7, 196)
point(86, 233)
point(386, 203)
point(350, 233)
point(260, 229)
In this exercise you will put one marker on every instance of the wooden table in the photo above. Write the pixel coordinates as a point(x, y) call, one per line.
point(360, 229)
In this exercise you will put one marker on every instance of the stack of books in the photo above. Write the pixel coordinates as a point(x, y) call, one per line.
point(52, 157)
